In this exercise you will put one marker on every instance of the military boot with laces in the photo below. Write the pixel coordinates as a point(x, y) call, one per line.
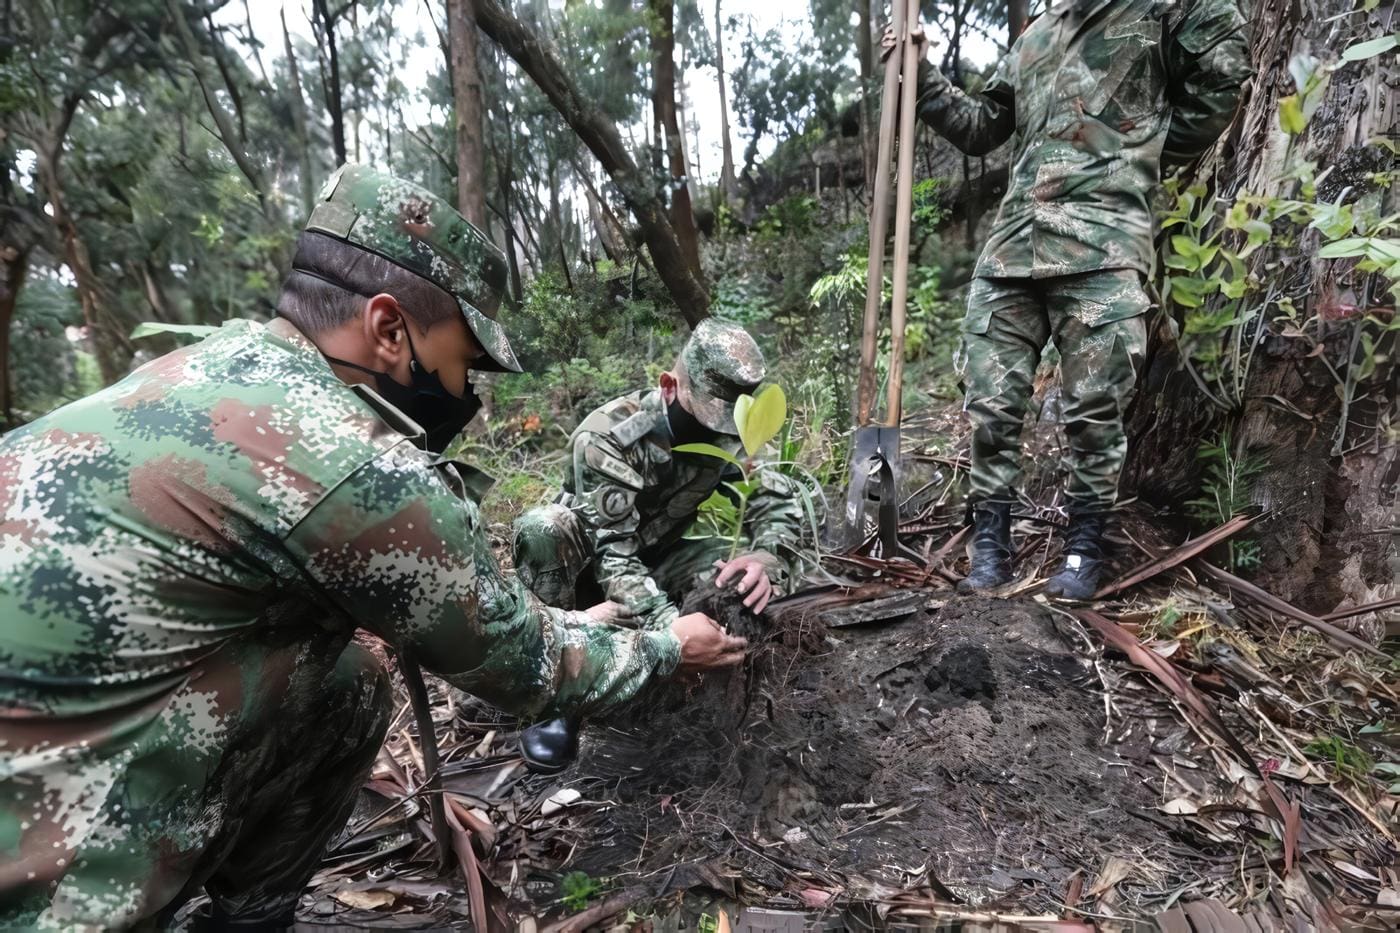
point(991, 548)
point(1078, 578)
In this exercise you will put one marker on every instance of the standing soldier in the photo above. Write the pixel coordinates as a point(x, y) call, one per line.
point(616, 530)
point(1100, 95)
point(185, 555)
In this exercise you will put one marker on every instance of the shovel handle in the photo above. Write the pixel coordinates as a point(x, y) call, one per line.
point(879, 221)
point(904, 213)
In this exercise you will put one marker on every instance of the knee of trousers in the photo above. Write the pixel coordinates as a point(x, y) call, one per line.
point(360, 689)
point(550, 548)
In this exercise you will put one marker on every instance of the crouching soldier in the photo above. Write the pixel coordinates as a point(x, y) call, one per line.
point(615, 533)
point(185, 555)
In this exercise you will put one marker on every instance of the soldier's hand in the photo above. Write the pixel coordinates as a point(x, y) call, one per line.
point(704, 645)
point(610, 612)
point(751, 573)
point(889, 40)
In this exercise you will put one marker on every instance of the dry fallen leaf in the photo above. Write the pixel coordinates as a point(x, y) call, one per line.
point(559, 800)
point(1114, 870)
point(1179, 807)
point(364, 900)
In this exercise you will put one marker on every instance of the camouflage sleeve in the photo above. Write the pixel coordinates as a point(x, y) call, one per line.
point(776, 523)
point(605, 491)
point(395, 549)
point(1208, 61)
point(974, 123)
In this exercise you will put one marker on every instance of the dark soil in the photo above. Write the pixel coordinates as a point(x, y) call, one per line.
point(960, 749)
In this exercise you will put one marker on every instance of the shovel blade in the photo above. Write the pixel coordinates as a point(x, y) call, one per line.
point(872, 503)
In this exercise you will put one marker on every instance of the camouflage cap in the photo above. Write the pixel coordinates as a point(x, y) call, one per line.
point(719, 363)
point(414, 228)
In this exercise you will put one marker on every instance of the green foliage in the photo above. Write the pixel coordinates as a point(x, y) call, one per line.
point(793, 216)
point(708, 923)
point(1226, 491)
point(759, 419)
point(45, 366)
point(1348, 763)
point(577, 889)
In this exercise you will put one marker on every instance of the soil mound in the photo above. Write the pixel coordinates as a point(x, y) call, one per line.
point(960, 747)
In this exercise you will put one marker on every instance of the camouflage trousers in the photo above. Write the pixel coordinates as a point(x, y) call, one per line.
point(554, 557)
point(1098, 323)
point(233, 784)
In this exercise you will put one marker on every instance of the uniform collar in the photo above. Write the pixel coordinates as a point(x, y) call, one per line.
point(294, 338)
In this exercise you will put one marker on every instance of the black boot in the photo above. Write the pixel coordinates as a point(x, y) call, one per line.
point(549, 747)
point(1078, 579)
point(991, 547)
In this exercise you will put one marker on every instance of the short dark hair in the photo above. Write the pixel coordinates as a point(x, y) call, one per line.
point(330, 280)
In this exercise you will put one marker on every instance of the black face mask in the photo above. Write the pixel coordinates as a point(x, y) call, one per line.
point(685, 427)
point(427, 401)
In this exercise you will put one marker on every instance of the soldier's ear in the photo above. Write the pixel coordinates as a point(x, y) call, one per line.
point(384, 325)
point(669, 387)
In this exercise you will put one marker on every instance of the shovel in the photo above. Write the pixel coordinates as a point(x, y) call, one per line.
point(872, 500)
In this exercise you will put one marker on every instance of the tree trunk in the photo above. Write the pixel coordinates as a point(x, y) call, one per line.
point(728, 183)
point(14, 263)
point(1328, 536)
point(104, 338)
point(601, 137)
point(1017, 12)
point(321, 15)
point(466, 96)
point(308, 182)
point(663, 101)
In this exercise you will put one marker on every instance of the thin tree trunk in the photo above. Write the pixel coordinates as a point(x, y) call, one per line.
point(216, 47)
point(602, 138)
point(104, 338)
point(664, 103)
point(253, 43)
point(728, 183)
point(467, 105)
point(321, 13)
point(15, 263)
point(221, 119)
point(305, 169)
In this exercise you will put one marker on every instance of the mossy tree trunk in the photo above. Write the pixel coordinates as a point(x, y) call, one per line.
point(1329, 489)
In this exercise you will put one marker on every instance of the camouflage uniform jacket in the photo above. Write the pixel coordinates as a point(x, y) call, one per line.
point(636, 498)
point(237, 484)
point(1098, 94)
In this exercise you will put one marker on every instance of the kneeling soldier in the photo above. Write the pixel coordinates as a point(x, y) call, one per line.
point(616, 531)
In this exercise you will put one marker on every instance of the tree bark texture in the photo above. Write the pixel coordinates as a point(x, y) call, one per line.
point(602, 138)
point(728, 183)
point(466, 96)
point(1328, 537)
point(663, 100)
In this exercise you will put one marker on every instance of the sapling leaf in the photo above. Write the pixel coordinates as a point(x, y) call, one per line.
point(709, 450)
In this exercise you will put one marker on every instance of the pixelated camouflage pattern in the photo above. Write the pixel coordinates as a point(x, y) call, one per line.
point(1098, 95)
point(1099, 364)
point(626, 505)
point(718, 363)
point(173, 547)
point(414, 228)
